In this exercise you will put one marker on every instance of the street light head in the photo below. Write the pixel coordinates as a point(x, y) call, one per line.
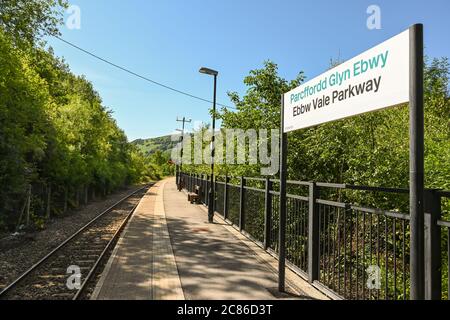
point(208, 71)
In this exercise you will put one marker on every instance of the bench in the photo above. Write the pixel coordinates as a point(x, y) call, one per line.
point(195, 197)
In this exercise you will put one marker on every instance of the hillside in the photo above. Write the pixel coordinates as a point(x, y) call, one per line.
point(150, 146)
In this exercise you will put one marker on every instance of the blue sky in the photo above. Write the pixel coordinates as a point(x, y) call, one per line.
point(168, 41)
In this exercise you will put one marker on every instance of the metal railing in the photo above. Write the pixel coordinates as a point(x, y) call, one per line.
point(349, 250)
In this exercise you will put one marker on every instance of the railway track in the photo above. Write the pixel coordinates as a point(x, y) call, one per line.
point(55, 276)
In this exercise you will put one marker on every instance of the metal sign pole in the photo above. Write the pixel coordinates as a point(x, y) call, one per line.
point(283, 178)
point(417, 263)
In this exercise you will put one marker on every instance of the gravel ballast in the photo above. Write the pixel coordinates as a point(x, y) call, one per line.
point(19, 253)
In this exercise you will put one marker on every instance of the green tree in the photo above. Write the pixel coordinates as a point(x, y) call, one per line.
point(371, 149)
point(29, 20)
point(55, 133)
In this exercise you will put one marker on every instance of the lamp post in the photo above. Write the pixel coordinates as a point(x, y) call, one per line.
point(213, 147)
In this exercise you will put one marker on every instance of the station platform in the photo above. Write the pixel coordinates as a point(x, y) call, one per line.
point(170, 252)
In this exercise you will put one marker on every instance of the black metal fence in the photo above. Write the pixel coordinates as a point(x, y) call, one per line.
point(357, 251)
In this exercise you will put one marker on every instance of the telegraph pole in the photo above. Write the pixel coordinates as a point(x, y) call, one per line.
point(180, 166)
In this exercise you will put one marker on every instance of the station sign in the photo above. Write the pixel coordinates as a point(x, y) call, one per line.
point(374, 80)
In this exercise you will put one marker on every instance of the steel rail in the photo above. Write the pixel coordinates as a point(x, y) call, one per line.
point(102, 255)
point(65, 242)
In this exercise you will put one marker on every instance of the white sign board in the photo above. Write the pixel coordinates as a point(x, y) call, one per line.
point(374, 80)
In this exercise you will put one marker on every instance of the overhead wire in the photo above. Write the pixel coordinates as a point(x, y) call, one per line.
point(127, 70)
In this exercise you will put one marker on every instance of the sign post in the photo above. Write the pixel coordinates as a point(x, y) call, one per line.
point(416, 161)
point(387, 75)
point(283, 199)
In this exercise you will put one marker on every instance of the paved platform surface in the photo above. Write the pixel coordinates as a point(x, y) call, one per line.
point(142, 267)
point(170, 252)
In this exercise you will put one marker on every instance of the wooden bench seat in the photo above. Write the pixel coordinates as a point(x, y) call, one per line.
point(195, 197)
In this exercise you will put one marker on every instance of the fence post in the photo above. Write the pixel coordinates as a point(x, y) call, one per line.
point(215, 194)
point(77, 198)
point(201, 182)
point(432, 245)
point(66, 198)
point(313, 234)
point(206, 182)
point(49, 200)
point(268, 214)
point(204, 188)
point(86, 194)
point(241, 206)
point(225, 198)
point(195, 182)
point(28, 206)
